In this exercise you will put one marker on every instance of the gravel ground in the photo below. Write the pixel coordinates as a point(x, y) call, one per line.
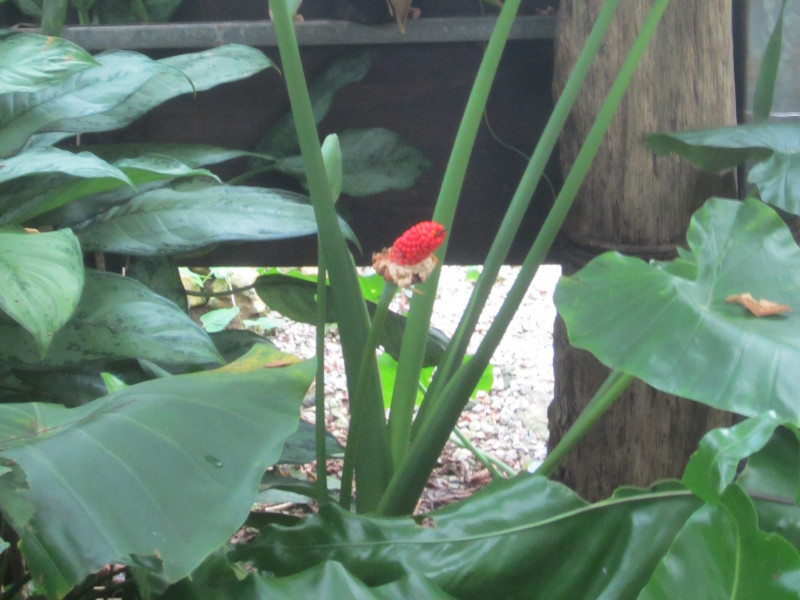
point(510, 421)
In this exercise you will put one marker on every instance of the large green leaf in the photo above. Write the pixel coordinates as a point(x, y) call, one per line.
point(117, 317)
point(42, 179)
point(374, 160)
point(42, 277)
point(296, 299)
point(223, 64)
point(328, 580)
point(281, 139)
point(775, 147)
point(716, 462)
point(521, 538)
point(125, 86)
point(165, 468)
point(675, 330)
point(171, 221)
point(720, 553)
point(772, 479)
point(193, 155)
point(30, 62)
point(80, 201)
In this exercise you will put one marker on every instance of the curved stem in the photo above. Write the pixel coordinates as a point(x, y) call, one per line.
point(612, 388)
point(319, 391)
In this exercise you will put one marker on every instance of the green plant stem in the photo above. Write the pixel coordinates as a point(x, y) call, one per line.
point(456, 350)
point(487, 460)
point(229, 292)
point(373, 466)
point(612, 388)
point(367, 372)
point(319, 391)
point(409, 479)
point(415, 335)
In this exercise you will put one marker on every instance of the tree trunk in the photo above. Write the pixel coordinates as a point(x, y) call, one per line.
point(639, 204)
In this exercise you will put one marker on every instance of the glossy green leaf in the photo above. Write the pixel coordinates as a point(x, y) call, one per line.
point(772, 480)
point(295, 298)
point(31, 62)
point(328, 580)
point(161, 276)
point(774, 147)
point(218, 319)
point(281, 139)
point(137, 472)
point(171, 221)
point(125, 86)
point(223, 64)
point(193, 155)
point(82, 201)
point(524, 538)
point(680, 335)
point(117, 317)
point(42, 277)
point(720, 553)
point(373, 160)
point(42, 179)
point(727, 147)
point(768, 72)
point(716, 462)
point(300, 447)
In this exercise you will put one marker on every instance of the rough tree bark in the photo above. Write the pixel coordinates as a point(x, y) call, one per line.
point(638, 204)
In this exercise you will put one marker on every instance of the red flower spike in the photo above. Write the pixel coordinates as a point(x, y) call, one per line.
point(410, 260)
point(417, 243)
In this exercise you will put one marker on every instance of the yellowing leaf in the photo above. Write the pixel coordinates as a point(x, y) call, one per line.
point(760, 308)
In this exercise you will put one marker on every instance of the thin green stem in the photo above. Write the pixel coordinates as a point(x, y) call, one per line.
point(415, 335)
point(612, 388)
point(373, 466)
point(523, 195)
point(482, 457)
point(409, 479)
point(319, 391)
point(366, 373)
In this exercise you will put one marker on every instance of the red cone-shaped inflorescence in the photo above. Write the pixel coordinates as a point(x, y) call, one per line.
point(411, 260)
point(417, 243)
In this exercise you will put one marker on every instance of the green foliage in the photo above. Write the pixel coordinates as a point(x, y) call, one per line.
point(158, 473)
point(104, 12)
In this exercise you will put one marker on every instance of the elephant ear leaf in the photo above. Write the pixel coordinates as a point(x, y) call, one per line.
point(674, 329)
point(128, 477)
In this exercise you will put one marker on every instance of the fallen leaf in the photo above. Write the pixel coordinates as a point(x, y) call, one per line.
point(760, 308)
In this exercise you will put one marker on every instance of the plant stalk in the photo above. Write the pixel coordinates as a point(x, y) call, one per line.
point(373, 466)
point(319, 391)
point(410, 478)
point(612, 388)
point(456, 349)
point(415, 335)
point(367, 372)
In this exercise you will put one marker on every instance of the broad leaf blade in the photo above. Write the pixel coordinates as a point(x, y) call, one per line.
point(171, 221)
point(52, 178)
point(43, 280)
point(680, 335)
point(374, 161)
point(768, 72)
point(716, 462)
point(223, 64)
point(524, 538)
point(328, 580)
point(281, 139)
point(720, 553)
point(117, 317)
point(138, 472)
point(31, 62)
